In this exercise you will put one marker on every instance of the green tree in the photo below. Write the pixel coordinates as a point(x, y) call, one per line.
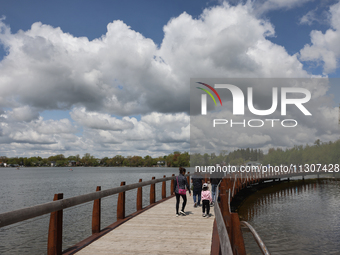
point(149, 161)
point(118, 160)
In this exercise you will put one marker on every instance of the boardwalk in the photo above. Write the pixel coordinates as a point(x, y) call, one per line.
point(159, 231)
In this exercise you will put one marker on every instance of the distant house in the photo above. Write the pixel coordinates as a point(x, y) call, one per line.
point(3, 164)
point(161, 163)
point(53, 163)
point(72, 163)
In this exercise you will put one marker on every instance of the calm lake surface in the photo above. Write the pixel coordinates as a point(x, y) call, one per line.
point(292, 218)
point(32, 186)
point(295, 218)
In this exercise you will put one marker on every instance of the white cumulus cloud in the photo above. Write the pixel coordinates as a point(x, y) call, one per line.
point(99, 120)
point(104, 82)
point(324, 47)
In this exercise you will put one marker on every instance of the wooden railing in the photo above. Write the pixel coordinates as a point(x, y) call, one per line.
point(228, 188)
point(55, 208)
point(227, 223)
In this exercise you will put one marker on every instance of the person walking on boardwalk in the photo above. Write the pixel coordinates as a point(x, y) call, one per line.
point(206, 200)
point(197, 182)
point(215, 179)
point(180, 184)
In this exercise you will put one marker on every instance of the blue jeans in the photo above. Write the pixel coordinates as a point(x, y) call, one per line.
point(213, 191)
point(197, 193)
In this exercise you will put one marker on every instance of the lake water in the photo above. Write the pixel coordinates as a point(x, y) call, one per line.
point(295, 218)
point(32, 186)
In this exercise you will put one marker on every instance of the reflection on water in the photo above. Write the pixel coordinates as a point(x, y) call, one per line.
point(32, 186)
point(295, 218)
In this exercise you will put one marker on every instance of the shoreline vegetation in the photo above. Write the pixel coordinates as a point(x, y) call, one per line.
point(318, 153)
point(175, 159)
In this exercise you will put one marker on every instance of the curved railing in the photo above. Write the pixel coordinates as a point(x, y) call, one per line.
point(228, 223)
point(224, 241)
point(257, 238)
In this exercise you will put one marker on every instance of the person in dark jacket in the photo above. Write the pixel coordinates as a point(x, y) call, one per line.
point(215, 179)
point(181, 183)
point(197, 182)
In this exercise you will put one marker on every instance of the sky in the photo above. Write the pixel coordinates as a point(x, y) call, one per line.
point(113, 77)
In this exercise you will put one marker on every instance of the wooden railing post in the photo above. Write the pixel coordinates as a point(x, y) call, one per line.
point(139, 197)
point(121, 204)
point(96, 213)
point(172, 185)
point(55, 232)
point(152, 192)
point(223, 187)
point(164, 188)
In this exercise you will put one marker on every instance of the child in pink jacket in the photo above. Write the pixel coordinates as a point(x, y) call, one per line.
point(206, 200)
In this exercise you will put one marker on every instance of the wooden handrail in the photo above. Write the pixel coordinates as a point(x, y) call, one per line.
point(258, 239)
point(12, 217)
point(228, 223)
point(224, 240)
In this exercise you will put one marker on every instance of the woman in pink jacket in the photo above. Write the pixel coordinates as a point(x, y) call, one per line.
point(206, 200)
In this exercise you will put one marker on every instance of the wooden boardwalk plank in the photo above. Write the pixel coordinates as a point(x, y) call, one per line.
point(159, 231)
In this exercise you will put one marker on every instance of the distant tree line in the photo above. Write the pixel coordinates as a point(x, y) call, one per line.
point(175, 159)
point(318, 153)
point(236, 157)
